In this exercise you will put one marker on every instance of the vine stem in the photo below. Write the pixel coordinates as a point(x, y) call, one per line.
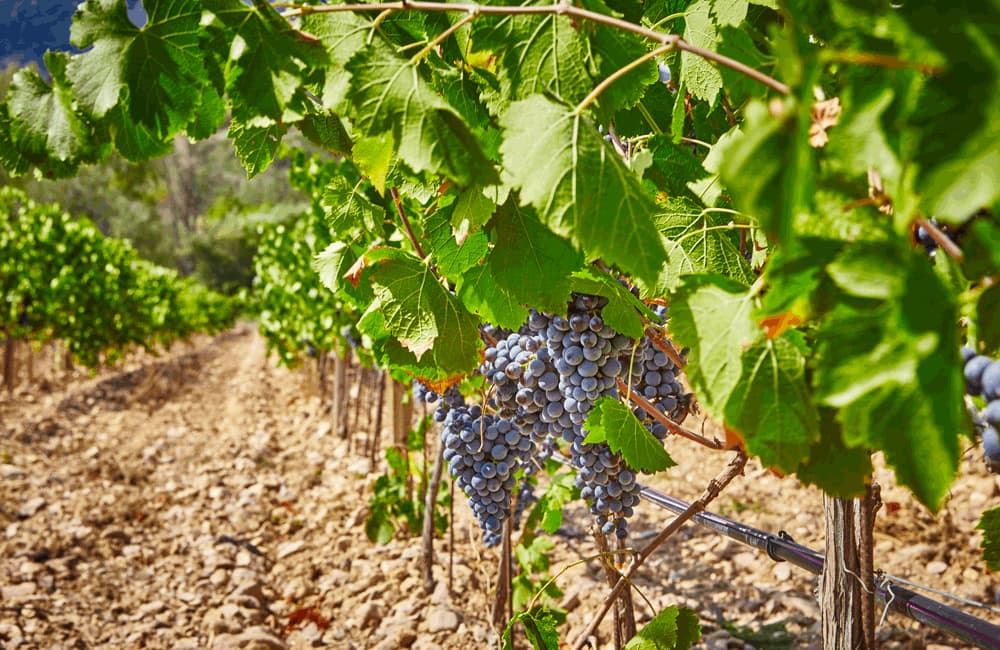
point(733, 469)
point(621, 72)
point(941, 239)
point(559, 9)
point(674, 428)
point(406, 222)
point(666, 347)
point(444, 35)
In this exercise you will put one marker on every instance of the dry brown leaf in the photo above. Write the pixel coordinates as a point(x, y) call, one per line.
point(825, 113)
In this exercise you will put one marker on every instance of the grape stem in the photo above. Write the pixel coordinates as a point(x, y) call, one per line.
point(666, 347)
point(406, 222)
point(673, 41)
point(733, 469)
point(672, 426)
point(941, 239)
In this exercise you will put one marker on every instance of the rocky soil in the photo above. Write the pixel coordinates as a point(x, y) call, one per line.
point(201, 499)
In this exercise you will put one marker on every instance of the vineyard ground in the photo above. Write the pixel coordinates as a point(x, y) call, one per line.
point(200, 499)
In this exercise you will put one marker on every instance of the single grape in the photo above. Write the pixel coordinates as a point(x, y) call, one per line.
point(664, 73)
point(991, 381)
point(974, 368)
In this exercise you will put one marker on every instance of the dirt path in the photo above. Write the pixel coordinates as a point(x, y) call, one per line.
point(200, 500)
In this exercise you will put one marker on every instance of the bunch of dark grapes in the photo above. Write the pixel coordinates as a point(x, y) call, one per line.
point(586, 352)
point(525, 383)
point(483, 451)
point(982, 376)
point(655, 377)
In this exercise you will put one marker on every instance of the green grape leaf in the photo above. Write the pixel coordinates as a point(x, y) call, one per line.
point(768, 168)
point(347, 208)
point(700, 76)
point(473, 209)
point(989, 523)
point(771, 406)
point(539, 627)
point(332, 263)
point(533, 557)
point(988, 317)
point(730, 12)
point(548, 512)
point(256, 146)
point(737, 44)
point(612, 422)
point(697, 242)
point(373, 156)
point(134, 141)
point(536, 54)
point(613, 50)
point(420, 313)
point(378, 525)
point(342, 33)
point(624, 311)
point(674, 628)
point(388, 95)
point(159, 68)
point(326, 130)
point(581, 188)
point(832, 466)
point(712, 316)
point(480, 292)
point(45, 113)
point(889, 364)
point(209, 116)
point(982, 249)
point(674, 166)
point(530, 262)
point(795, 276)
point(453, 259)
point(266, 60)
point(860, 141)
point(958, 115)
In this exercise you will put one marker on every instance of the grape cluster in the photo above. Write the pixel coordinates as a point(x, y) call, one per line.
point(655, 377)
point(586, 354)
point(483, 451)
point(543, 381)
point(982, 376)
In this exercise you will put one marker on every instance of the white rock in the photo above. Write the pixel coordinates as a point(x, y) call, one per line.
point(442, 619)
point(150, 609)
point(936, 567)
point(18, 592)
point(11, 471)
point(31, 506)
point(260, 638)
point(289, 548)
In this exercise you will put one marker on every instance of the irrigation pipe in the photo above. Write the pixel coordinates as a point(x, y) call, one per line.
point(781, 548)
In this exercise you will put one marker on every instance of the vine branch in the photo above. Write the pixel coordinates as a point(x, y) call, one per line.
point(406, 222)
point(672, 426)
point(733, 469)
point(671, 41)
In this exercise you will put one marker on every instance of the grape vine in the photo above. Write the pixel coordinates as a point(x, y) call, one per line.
point(762, 167)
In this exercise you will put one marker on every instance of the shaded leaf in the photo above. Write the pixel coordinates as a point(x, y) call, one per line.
point(580, 186)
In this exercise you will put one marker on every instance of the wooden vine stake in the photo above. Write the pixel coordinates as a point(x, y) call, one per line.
point(9, 347)
point(847, 586)
point(430, 503)
point(340, 394)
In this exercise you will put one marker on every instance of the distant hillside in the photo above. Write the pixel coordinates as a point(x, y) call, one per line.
point(30, 27)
